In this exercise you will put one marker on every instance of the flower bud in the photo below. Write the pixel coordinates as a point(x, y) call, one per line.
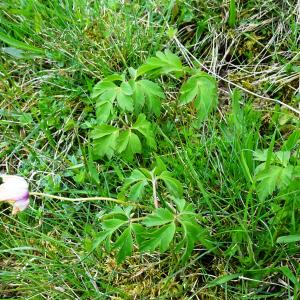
point(14, 189)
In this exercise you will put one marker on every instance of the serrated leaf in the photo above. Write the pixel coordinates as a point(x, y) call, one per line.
point(129, 144)
point(201, 89)
point(163, 63)
point(160, 238)
point(102, 87)
point(139, 181)
point(134, 146)
point(144, 127)
point(260, 155)
point(180, 204)
point(159, 217)
point(107, 91)
point(113, 224)
point(100, 238)
point(123, 140)
point(103, 111)
point(139, 232)
point(137, 190)
point(173, 185)
point(124, 96)
point(272, 177)
point(136, 175)
point(103, 130)
point(152, 92)
point(105, 137)
point(125, 245)
point(283, 157)
point(159, 167)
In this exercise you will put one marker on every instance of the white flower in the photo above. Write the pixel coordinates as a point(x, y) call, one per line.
point(14, 189)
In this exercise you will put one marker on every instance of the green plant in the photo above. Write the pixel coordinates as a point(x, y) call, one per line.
point(173, 227)
point(126, 112)
point(275, 170)
point(125, 109)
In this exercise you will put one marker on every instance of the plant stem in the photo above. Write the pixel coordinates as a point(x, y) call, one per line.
point(155, 199)
point(83, 199)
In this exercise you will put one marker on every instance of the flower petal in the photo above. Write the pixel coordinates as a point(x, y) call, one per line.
point(14, 189)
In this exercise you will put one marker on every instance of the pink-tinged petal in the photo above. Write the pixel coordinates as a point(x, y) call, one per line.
point(20, 205)
point(14, 189)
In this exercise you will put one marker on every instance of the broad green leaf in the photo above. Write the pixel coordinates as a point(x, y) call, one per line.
point(180, 204)
point(152, 92)
point(130, 144)
point(123, 140)
point(159, 167)
point(163, 63)
point(135, 176)
point(191, 232)
point(146, 172)
point(139, 231)
point(107, 87)
point(105, 137)
point(202, 90)
point(144, 127)
point(107, 91)
point(160, 238)
point(91, 166)
point(139, 181)
point(125, 245)
point(137, 190)
point(260, 155)
point(115, 77)
point(124, 96)
point(271, 178)
point(113, 224)
point(100, 238)
point(283, 157)
point(103, 130)
point(286, 239)
point(173, 185)
point(103, 111)
point(159, 217)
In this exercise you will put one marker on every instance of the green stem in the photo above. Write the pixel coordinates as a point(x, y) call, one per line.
point(84, 199)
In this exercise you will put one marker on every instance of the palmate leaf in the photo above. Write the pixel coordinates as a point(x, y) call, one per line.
point(163, 63)
point(173, 185)
point(271, 178)
point(202, 90)
point(104, 140)
point(106, 92)
point(138, 182)
point(159, 238)
point(145, 128)
point(149, 93)
point(108, 139)
point(159, 217)
point(125, 244)
point(129, 144)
